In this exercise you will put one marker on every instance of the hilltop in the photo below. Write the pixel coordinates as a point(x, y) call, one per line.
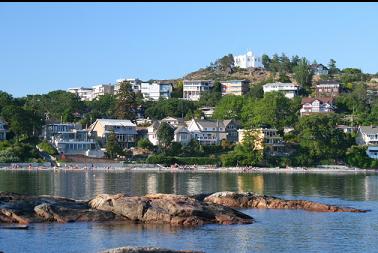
point(253, 75)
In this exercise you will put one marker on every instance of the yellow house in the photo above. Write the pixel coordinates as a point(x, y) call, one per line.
point(263, 137)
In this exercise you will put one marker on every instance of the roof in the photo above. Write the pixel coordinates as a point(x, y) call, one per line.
point(318, 65)
point(116, 122)
point(369, 129)
point(280, 85)
point(181, 129)
point(329, 82)
point(328, 100)
point(210, 123)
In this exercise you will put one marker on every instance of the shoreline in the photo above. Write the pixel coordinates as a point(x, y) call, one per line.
point(192, 169)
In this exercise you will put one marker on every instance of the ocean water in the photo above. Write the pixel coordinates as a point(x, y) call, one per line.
point(274, 230)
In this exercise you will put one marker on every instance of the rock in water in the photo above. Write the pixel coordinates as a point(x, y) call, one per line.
point(154, 209)
point(146, 250)
point(251, 200)
point(168, 209)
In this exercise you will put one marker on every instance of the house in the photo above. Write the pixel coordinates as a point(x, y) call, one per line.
point(248, 60)
point(135, 84)
point(102, 89)
point(207, 111)
point(85, 94)
point(207, 132)
point(76, 142)
point(192, 89)
point(316, 105)
point(124, 130)
point(232, 127)
point(49, 130)
point(71, 139)
point(347, 129)
point(328, 89)
point(235, 87)
point(267, 138)
point(372, 152)
point(182, 135)
point(3, 129)
point(152, 132)
point(175, 122)
point(156, 90)
point(368, 135)
point(319, 69)
point(290, 90)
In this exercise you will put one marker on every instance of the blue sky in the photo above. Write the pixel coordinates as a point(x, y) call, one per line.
point(49, 46)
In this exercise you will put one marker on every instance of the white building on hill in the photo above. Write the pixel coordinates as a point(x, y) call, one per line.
point(289, 89)
point(248, 60)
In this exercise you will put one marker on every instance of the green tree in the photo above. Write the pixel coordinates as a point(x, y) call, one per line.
point(274, 110)
point(356, 156)
point(246, 153)
point(126, 106)
point(303, 74)
point(332, 69)
point(177, 91)
point(266, 61)
point(145, 143)
point(319, 137)
point(165, 135)
point(112, 147)
point(212, 97)
point(229, 107)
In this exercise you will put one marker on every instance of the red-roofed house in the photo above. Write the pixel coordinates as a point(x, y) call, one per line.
point(316, 105)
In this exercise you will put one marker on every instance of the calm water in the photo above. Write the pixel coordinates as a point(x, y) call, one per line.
point(274, 231)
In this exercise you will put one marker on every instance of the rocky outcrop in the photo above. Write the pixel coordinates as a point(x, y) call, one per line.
point(168, 209)
point(251, 200)
point(146, 250)
point(176, 210)
point(155, 209)
point(24, 209)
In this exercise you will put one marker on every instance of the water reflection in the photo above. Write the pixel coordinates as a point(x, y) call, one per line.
point(84, 185)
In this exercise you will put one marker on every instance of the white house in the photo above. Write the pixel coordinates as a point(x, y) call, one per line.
point(77, 142)
point(102, 89)
point(124, 130)
point(175, 122)
point(248, 60)
point(182, 135)
point(3, 130)
point(207, 132)
point(71, 139)
point(89, 94)
point(85, 94)
point(156, 90)
point(368, 135)
point(316, 105)
point(135, 84)
point(289, 89)
point(192, 89)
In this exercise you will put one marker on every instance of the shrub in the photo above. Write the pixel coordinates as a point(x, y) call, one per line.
point(48, 148)
point(145, 143)
point(7, 156)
